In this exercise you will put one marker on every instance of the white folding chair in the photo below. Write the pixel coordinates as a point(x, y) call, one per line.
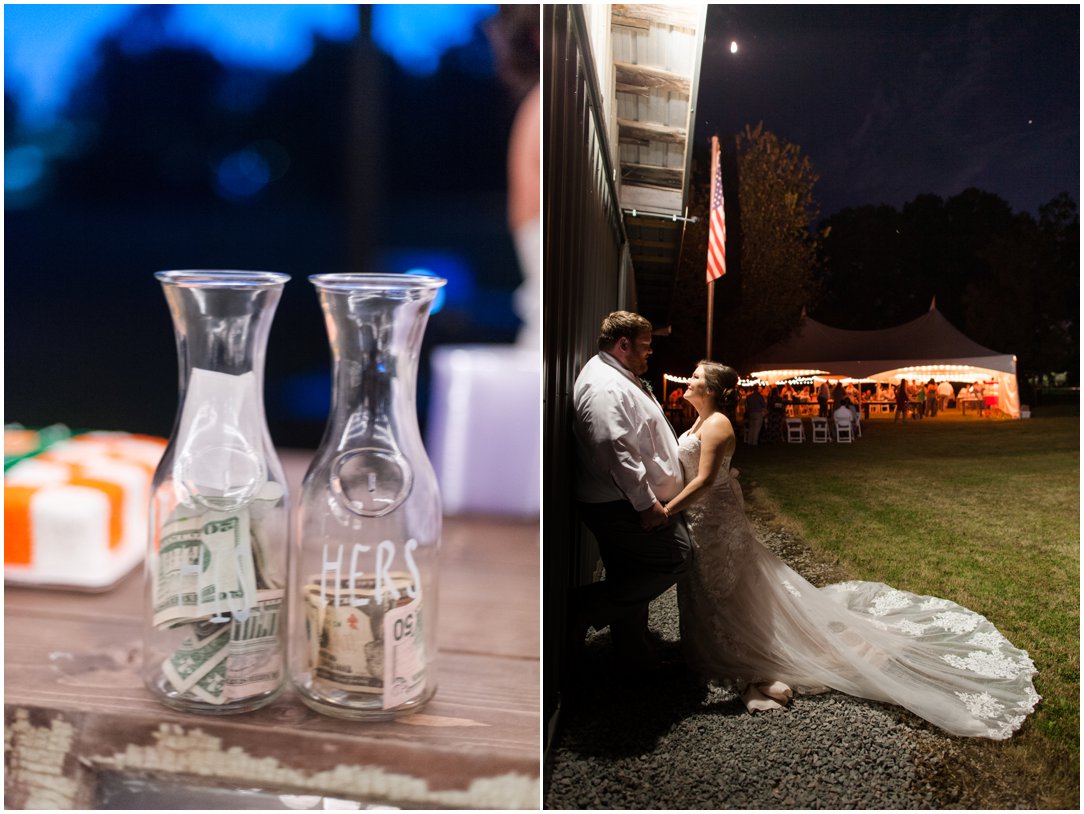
point(795, 431)
point(820, 430)
point(843, 431)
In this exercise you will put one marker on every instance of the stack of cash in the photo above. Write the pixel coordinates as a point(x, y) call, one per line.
point(362, 642)
point(219, 579)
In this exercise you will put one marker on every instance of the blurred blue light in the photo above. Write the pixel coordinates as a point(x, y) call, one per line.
point(23, 168)
point(438, 301)
point(47, 47)
point(276, 37)
point(416, 36)
point(459, 292)
point(242, 174)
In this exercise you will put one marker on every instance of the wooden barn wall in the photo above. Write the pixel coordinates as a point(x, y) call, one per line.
point(587, 274)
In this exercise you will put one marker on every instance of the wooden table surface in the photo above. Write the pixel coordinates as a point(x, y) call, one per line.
point(76, 711)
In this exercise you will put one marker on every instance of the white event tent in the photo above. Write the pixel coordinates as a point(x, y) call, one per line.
point(928, 347)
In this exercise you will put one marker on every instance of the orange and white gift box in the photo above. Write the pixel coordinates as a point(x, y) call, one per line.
point(75, 515)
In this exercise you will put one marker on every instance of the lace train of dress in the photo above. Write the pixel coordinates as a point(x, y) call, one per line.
point(748, 618)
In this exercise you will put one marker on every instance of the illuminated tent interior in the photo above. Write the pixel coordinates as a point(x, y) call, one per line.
point(925, 348)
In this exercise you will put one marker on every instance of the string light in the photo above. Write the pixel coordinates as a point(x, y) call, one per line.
point(954, 373)
point(943, 372)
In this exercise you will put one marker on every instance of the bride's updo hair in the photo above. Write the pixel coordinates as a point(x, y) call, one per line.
point(722, 381)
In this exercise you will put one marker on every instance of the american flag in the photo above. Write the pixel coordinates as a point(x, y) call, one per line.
point(717, 231)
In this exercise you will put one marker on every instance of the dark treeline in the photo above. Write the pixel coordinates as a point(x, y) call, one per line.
point(1008, 280)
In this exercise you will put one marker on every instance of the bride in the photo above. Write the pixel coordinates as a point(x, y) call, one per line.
point(752, 624)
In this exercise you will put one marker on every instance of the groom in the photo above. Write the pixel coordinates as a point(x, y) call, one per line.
point(627, 468)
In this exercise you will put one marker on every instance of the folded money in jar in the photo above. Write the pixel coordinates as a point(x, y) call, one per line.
point(224, 661)
point(210, 589)
point(362, 641)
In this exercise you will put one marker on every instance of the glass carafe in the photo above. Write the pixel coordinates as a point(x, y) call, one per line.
point(363, 572)
point(215, 631)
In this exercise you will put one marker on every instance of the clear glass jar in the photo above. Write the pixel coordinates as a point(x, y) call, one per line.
point(216, 569)
point(364, 567)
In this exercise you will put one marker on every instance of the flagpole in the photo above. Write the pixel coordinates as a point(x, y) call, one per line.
point(716, 237)
point(711, 314)
point(711, 279)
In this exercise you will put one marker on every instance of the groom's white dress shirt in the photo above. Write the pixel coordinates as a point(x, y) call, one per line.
point(626, 448)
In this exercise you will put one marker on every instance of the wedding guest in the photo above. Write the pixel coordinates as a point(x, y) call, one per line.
point(944, 395)
point(979, 389)
point(823, 394)
point(776, 420)
point(838, 394)
point(754, 414)
point(931, 398)
point(786, 392)
point(901, 402)
point(856, 419)
point(805, 399)
point(918, 397)
point(847, 415)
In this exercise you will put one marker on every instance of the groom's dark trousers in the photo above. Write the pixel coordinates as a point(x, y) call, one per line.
point(640, 565)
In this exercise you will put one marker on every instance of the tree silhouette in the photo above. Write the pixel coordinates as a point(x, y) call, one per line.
point(770, 248)
point(1005, 280)
point(860, 273)
point(778, 245)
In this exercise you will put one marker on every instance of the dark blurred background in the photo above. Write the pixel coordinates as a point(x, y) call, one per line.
point(303, 139)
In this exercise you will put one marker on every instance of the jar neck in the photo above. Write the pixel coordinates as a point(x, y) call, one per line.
point(375, 338)
point(222, 456)
point(221, 329)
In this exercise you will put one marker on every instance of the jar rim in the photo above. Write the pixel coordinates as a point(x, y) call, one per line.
point(221, 278)
point(361, 281)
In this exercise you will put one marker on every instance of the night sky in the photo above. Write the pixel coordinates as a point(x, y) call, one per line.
point(890, 102)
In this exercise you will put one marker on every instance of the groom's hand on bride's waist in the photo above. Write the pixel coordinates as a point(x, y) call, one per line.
point(653, 516)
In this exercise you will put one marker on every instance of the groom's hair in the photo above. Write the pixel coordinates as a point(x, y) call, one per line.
point(619, 324)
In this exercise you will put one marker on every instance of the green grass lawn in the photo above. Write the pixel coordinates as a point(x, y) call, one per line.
point(983, 512)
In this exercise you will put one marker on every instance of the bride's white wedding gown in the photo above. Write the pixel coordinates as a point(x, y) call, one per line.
point(747, 618)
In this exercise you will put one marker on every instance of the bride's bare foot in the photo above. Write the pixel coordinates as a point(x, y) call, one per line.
point(756, 701)
point(777, 691)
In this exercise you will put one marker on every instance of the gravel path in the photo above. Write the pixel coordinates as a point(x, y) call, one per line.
point(667, 743)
